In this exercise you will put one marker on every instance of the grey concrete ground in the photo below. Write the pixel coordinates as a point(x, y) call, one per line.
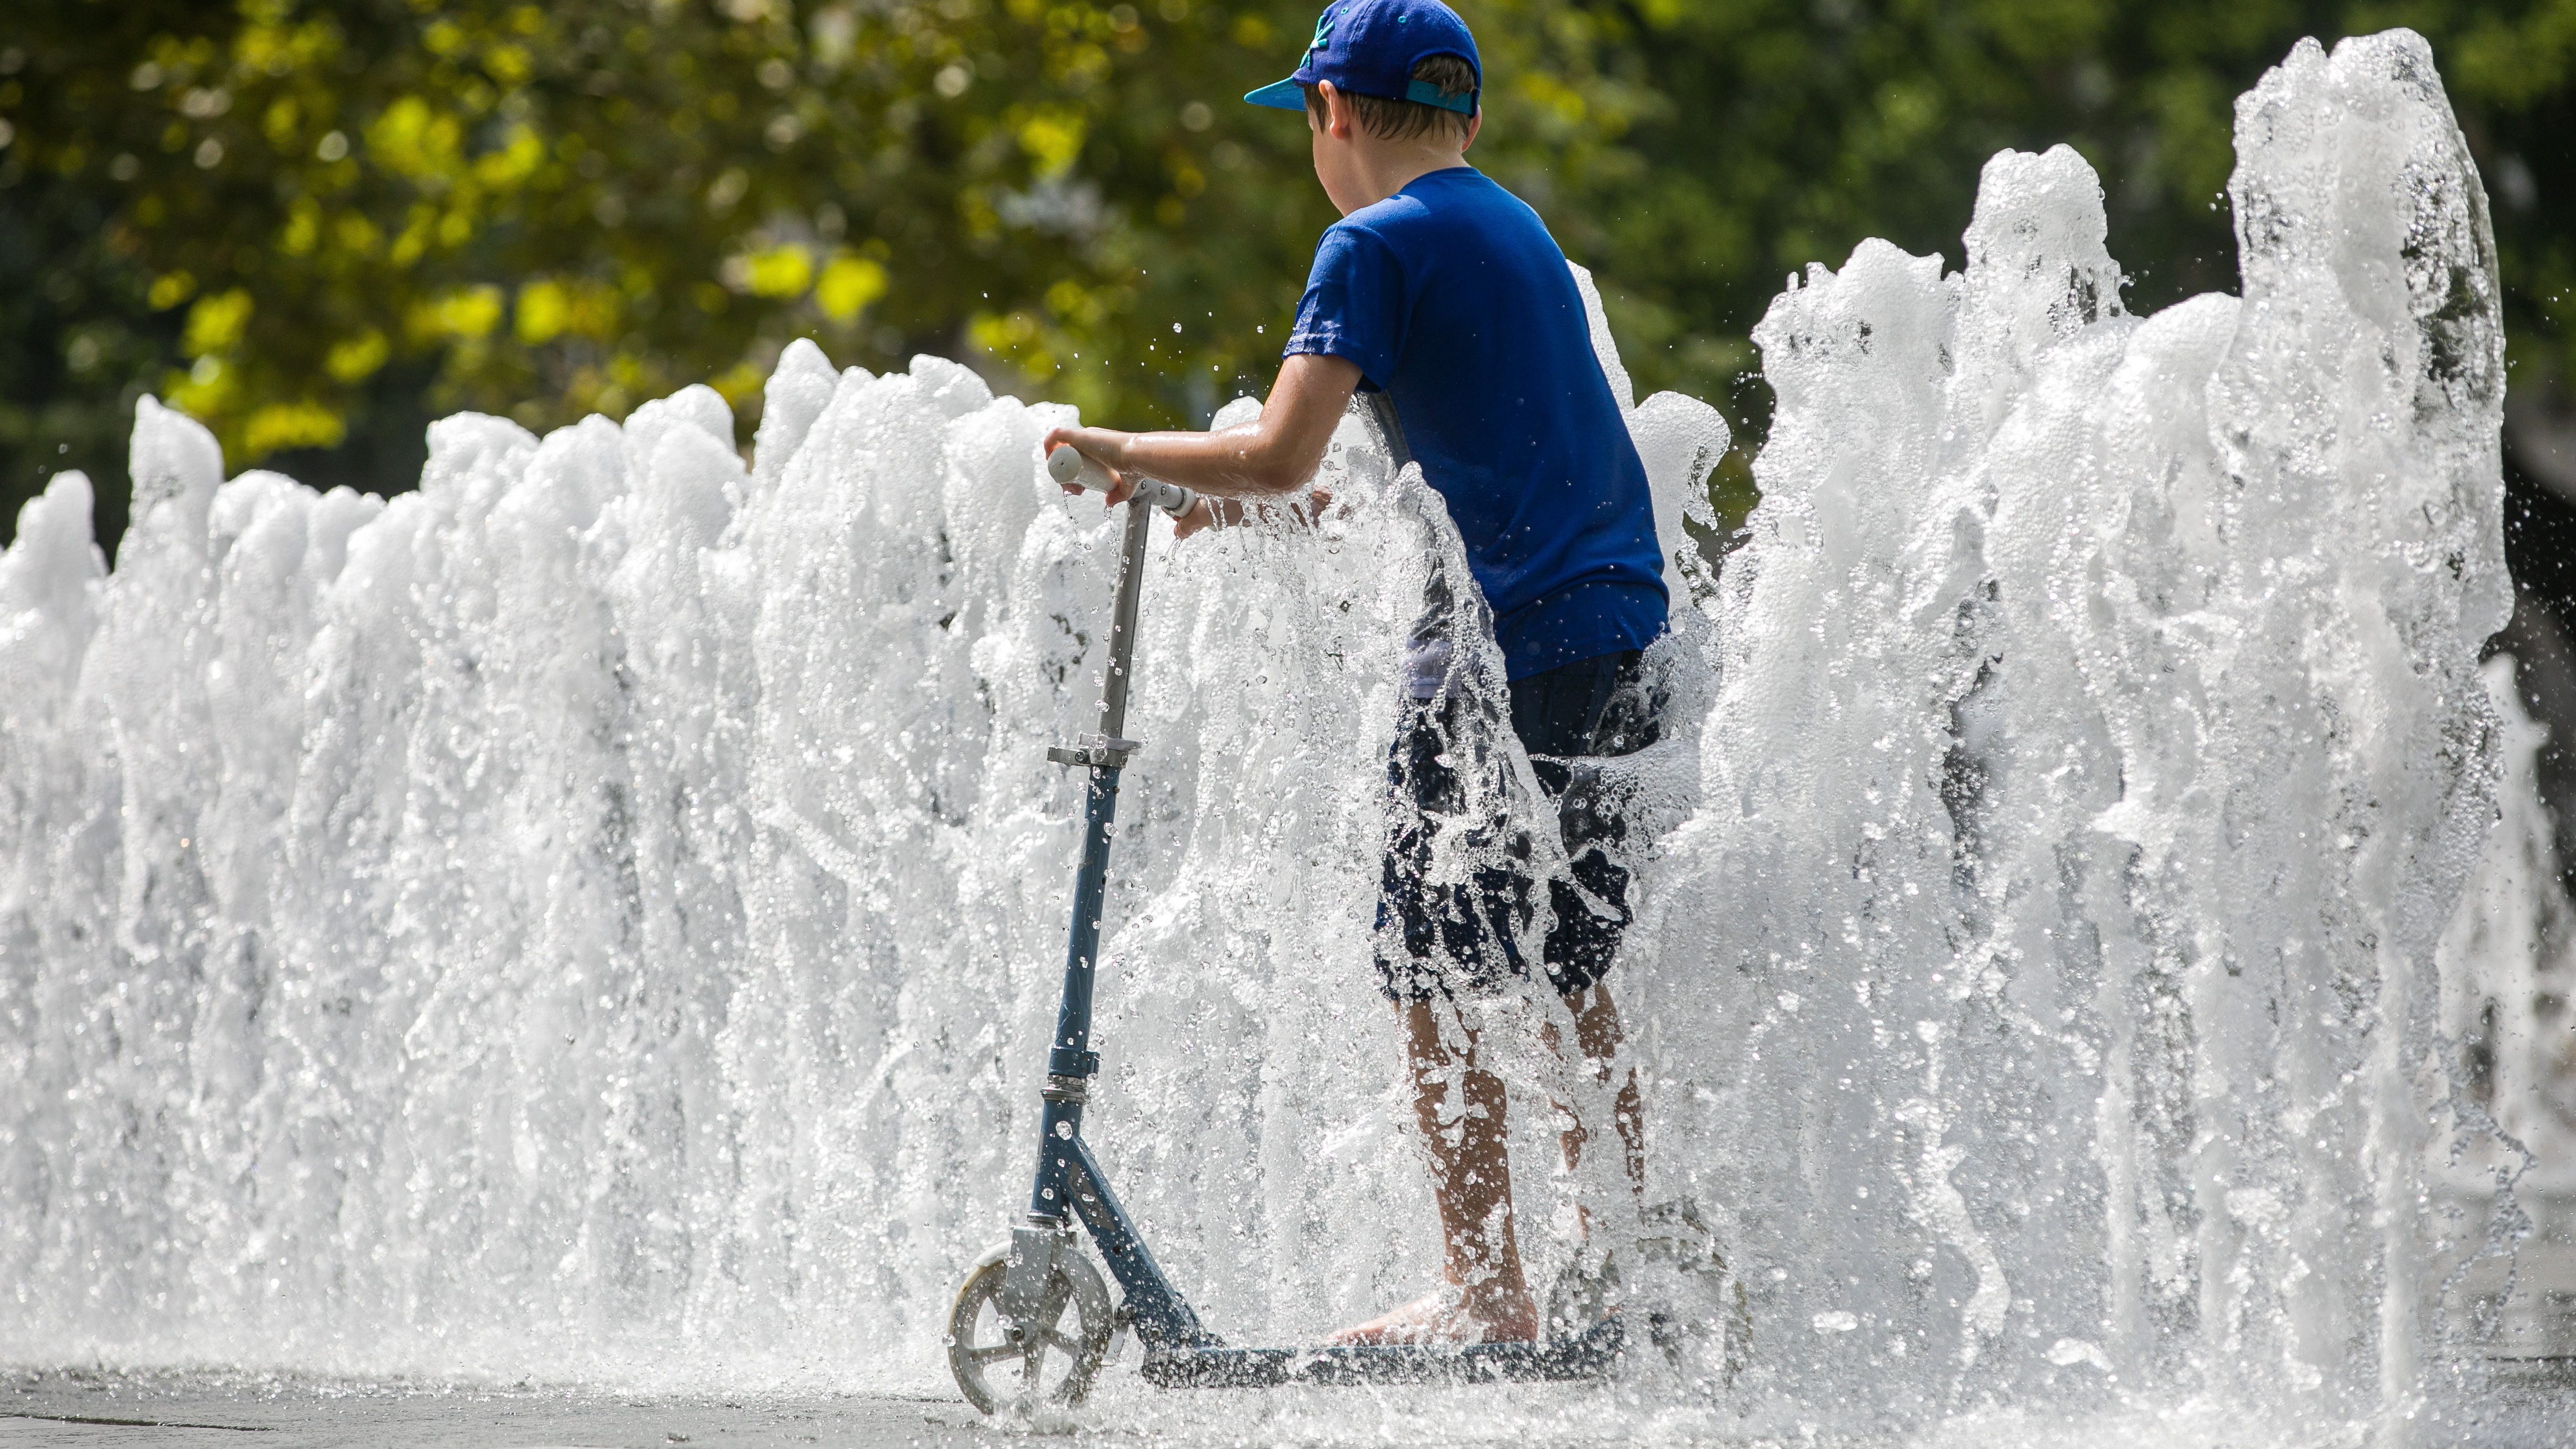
point(2527, 1406)
point(221, 1412)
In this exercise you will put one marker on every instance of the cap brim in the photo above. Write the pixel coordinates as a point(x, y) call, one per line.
point(1282, 95)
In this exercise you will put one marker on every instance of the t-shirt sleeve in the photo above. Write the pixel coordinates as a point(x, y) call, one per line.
point(1354, 305)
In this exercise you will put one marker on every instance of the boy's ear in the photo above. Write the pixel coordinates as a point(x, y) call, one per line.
point(1337, 110)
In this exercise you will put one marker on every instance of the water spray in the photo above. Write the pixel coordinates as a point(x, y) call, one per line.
point(576, 920)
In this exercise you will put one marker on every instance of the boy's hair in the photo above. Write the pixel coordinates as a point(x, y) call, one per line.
point(1404, 120)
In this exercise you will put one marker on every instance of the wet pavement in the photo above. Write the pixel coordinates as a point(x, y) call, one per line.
point(2528, 1403)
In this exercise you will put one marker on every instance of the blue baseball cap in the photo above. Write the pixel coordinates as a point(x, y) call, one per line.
point(1369, 48)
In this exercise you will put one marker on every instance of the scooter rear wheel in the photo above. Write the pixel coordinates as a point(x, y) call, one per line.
point(1054, 1360)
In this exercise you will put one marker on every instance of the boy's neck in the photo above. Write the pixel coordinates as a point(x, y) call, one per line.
point(1387, 167)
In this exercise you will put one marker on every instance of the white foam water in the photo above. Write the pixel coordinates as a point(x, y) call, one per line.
point(600, 914)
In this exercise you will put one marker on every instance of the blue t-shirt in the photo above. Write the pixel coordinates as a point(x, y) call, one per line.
point(1451, 296)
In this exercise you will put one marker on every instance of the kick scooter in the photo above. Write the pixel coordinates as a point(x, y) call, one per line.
point(1036, 1302)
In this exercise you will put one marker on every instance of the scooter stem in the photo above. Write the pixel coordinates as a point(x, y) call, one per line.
point(1069, 1056)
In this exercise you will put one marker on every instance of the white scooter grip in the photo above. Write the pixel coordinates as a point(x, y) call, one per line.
point(1067, 465)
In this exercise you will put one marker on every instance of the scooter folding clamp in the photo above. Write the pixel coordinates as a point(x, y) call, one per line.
point(1095, 750)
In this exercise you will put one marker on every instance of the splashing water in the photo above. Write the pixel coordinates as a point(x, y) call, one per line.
point(597, 915)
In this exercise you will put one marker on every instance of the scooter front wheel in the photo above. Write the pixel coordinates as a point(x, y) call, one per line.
point(1051, 1360)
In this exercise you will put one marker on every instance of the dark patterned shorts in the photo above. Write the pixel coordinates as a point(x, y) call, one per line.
point(1464, 938)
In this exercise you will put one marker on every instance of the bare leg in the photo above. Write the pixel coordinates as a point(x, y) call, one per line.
point(1459, 1107)
point(1597, 1033)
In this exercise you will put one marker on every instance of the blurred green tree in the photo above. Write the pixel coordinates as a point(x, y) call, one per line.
point(316, 225)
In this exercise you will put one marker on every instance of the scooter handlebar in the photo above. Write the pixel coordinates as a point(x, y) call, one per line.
point(1067, 465)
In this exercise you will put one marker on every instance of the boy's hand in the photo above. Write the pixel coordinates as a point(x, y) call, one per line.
point(1096, 444)
point(1100, 445)
point(1242, 469)
point(1234, 512)
point(1203, 516)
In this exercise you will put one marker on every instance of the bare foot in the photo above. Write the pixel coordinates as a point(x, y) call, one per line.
point(1443, 1315)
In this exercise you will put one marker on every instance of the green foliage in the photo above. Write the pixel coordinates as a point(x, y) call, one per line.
point(315, 225)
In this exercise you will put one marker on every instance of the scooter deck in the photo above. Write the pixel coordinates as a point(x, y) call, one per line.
point(1587, 1357)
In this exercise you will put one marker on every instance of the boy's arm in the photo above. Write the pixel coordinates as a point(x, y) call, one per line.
point(1274, 454)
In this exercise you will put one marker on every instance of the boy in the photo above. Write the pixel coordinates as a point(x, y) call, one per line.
point(1443, 291)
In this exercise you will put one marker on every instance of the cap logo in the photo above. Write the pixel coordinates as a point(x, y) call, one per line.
point(1323, 30)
